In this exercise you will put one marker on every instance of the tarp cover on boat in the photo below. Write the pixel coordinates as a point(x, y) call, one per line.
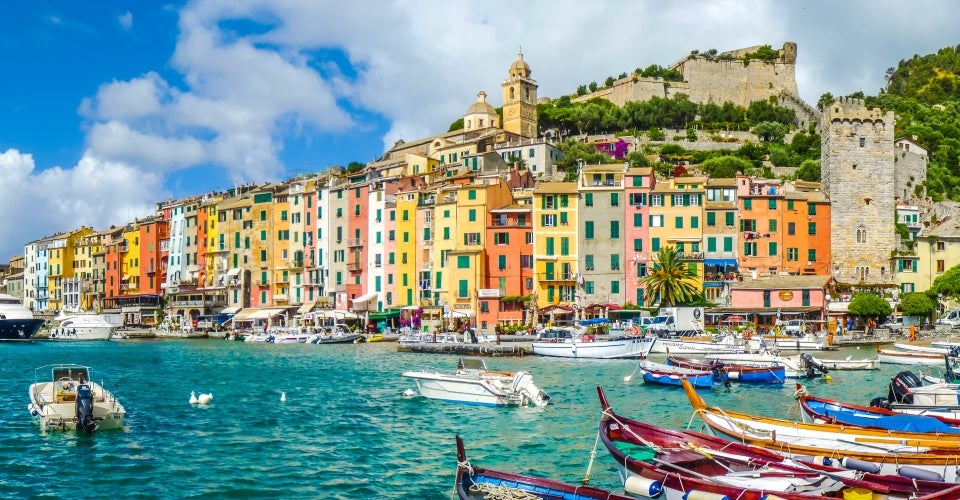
point(594, 321)
point(902, 423)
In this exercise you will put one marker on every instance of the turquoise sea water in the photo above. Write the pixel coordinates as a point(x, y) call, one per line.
point(344, 431)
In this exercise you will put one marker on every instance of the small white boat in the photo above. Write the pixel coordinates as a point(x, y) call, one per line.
point(82, 327)
point(789, 342)
point(897, 357)
point(727, 344)
point(848, 363)
point(291, 335)
point(568, 342)
point(474, 384)
point(70, 400)
point(930, 349)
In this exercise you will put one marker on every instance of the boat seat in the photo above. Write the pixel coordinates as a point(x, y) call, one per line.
point(66, 397)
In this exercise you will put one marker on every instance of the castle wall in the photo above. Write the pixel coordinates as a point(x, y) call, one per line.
point(857, 175)
point(911, 169)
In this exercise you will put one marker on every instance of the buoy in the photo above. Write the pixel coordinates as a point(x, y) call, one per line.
point(283, 396)
point(860, 465)
point(204, 398)
point(639, 485)
point(827, 378)
point(408, 393)
point(193, 398)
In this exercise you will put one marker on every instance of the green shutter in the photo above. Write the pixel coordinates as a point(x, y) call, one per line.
point(729, 218)
point(463, 291)
point(502, 262)
point(711, 244)
point(655, 244)
point(695, 222)
point(711, 219)
point(772, 248)
point(678, 223)
point(588, 230)
point(727, 243)
point(637, 220)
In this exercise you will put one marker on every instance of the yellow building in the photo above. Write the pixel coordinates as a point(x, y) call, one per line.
point(63, 261)
point(935, 252)
point(555, 221)
point(466, 261)
point(130, 276)
point(676, 219)
point(234, 244)
point(406, 225)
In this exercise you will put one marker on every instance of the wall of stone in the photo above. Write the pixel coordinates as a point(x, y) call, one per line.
point(911, 169)
point(712, 79)
point(857, 175)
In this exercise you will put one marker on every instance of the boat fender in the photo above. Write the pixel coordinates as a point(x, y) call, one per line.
point(821, 460)
point(860, 465)
point(639, 485)
point(880, 402)
point(703, 495)
point(918, 473)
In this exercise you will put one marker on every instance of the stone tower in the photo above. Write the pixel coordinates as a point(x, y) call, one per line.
point(857, 174)
point(520, 100)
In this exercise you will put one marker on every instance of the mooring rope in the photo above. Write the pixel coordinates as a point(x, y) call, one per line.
point(498, 492)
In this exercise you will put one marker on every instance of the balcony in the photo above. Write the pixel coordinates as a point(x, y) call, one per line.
point(690, 255)
point(354, 266)
point(355, 242)
point(723, 278)
point(234, 283)
point(556, 277)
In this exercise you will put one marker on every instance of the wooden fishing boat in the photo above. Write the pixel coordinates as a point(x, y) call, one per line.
point(476, 483)
point(816, 410)
point(800, 365)
point(659, 373)
point(917, 455)
point(735, 371)
point(898, 357)
point(688, 464)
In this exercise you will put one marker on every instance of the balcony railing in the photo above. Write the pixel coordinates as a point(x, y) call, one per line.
point(728, 277)
point(354, 266)
point(556, 276)
point(690, 255)
point(355, 242)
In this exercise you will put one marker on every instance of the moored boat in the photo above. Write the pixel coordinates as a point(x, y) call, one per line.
point(476, 483)
point(738, 372)
point(897, 357)
point(659, 373)
point(928, 456)
point(819, 410)
point(16, 320)
point(728, 344)
point(571, 343)
point(70, 400)
point(82, 326)
point(474, 384)
point(800, 365)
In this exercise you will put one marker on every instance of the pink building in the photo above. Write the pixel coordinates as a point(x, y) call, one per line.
point(792, 297)
point(637, 185)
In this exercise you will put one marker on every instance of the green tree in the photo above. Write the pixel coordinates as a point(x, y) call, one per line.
point(770, 131)
point(809, 170)
point(671, 279)
point(948, 283)
point(720, 167)
point(457, 125)
point(868, 305)
point(916, 304)
point(355, 166)
point(637, 159)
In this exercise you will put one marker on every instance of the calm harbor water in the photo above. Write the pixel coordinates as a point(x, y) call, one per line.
point(344, 431)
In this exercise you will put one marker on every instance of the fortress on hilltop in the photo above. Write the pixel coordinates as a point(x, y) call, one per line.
point(736, 76)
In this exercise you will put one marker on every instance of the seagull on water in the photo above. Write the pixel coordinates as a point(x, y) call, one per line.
point(205, 398)
point(193, 398)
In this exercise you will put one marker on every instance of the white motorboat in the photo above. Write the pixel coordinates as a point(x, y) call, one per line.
point(565, 342)
point(474, 384)
point(789, 342)
point(70, 400)
point(291, 335)
point(16, 320)
point(727, 344)
point(898, 357)
point(82, 326)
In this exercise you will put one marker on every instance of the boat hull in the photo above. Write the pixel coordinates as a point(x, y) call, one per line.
point(53, 404)
point(656, 373)
point(622, 348)
point(914, 358)
point(82, 333)
point(741, 373)
point(456, 390)
point(19, 330)
point(666, 346)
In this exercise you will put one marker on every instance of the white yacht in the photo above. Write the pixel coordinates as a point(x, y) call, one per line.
point(16, 320)
point(81, 326)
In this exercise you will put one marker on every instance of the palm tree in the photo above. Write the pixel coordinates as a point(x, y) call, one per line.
point(671, 278)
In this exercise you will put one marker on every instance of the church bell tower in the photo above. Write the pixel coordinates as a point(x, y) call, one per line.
point(520, 100)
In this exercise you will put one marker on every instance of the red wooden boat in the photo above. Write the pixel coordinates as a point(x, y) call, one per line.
point(682, 462)
point(476, 483)
point(735, 371)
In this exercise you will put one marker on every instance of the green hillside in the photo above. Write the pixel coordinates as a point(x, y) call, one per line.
point(924, 92)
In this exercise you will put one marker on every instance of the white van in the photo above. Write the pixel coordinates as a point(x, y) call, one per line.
point(950, 318)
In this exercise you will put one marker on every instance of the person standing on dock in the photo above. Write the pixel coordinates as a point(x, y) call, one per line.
point(913, 333)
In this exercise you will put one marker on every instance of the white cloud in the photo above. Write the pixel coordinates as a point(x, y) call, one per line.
point(125, 20)
point(94, 193)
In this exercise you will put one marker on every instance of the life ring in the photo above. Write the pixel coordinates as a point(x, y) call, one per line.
point(747, 335)
point(636, 331)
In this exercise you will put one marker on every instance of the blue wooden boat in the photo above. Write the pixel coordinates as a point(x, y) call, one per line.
point(819, 410)
point(735, 371)
point(659, 373)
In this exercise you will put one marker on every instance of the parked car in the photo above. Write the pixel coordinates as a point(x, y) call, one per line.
point(894, 323)
point(950, 318)
point(796, 327)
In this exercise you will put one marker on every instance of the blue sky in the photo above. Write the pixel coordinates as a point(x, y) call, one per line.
point(110, 107)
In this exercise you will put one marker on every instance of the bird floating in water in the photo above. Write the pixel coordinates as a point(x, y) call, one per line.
point(283, 396)
point(205, 398)
point(193, 398)
point(408, 393)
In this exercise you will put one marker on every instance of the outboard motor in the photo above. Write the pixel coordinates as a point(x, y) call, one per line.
point(716, 367)
point(84, 407)
point(812, 364)
point(900, 386)
point(880, 402)
point(523, 384)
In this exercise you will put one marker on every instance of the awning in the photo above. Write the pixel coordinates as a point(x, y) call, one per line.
point(230, 310)
point(305, 308)
point(720, 262)
point(712, 284)
point(252, 314)
point(233, 272)
point(362, 301)
point(126, 277)
point(388, 314)
point(459, 314)
point(335, 314)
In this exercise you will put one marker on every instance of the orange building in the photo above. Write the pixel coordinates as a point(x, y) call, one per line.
point(509, 254)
